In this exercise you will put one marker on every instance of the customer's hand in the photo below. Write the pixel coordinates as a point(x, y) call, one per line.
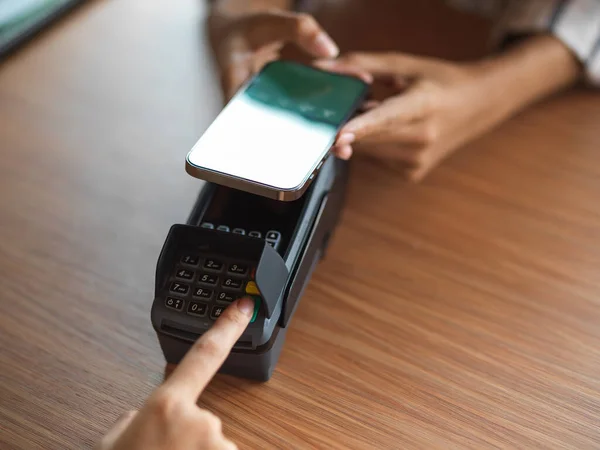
point(435, 107)
point(171, 419)
point(243, 44)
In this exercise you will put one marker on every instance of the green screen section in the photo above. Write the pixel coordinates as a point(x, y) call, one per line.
point(304, 91)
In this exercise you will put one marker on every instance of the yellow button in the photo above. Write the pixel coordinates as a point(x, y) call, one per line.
point(252, 289)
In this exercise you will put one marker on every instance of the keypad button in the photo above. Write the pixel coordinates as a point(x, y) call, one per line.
point(232, 283)
point(238, 269)
point(174, 303)
point(273, 235)
point(197, 309)
point(208, 278)
point(208, 225)
point(252, 288)
point(273, 238)
point(225, 297)
point(256, 234)
point(184, 274)
point(223, 228)
point(190, 260)
point(216, 311)
point(239, 231)
point(179, 288)
point(202, 292)
point(213, 264)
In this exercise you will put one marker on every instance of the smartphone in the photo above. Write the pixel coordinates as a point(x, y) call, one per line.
point(273, 135)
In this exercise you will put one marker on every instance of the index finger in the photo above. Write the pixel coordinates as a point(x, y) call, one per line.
point(380, 64)
point(393, 112)
point(208, 353)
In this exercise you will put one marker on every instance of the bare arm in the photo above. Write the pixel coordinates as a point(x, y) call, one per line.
point(526, 73)
point(445, 104)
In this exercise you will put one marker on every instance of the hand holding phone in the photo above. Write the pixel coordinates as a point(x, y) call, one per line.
point(245, 41)
point(275, 132)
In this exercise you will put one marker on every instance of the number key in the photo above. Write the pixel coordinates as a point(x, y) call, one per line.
point(191, 260)
point(179, 288)
point(208, 278)
point(185, 274)
point(232, 283)
point(202, 292)
point(197, 309)
point(213, 264)
point(238, 269)
point(225, 297)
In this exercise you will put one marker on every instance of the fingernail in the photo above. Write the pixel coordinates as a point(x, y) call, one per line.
point(346, 138)
point(327, 45)
point(246, 306)
point(366, 77)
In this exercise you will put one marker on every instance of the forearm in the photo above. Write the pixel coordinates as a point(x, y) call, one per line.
point(536, 68)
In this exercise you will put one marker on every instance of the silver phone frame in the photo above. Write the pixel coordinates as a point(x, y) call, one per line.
point(264, 190)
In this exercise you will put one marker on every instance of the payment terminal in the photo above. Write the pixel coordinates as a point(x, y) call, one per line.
point(235, 243)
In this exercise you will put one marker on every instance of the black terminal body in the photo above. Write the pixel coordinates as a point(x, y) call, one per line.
point(236, 243)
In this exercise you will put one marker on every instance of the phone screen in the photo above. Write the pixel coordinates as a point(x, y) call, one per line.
point(279, 127)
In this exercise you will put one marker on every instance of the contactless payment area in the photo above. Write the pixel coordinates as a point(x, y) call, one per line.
point(313, 95)
point(285, 121)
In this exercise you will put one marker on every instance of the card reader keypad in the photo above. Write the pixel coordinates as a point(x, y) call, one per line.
point(204, 285)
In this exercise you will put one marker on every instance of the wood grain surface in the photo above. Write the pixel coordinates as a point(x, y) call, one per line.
point(462, 312)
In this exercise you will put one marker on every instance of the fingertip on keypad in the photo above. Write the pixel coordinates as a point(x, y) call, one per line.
point(204, 285)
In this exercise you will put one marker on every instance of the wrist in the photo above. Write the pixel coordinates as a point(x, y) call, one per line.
point(538, 67)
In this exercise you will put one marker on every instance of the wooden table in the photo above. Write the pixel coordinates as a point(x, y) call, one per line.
point(460, 312)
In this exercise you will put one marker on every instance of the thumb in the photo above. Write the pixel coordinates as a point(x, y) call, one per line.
point(380, 64)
